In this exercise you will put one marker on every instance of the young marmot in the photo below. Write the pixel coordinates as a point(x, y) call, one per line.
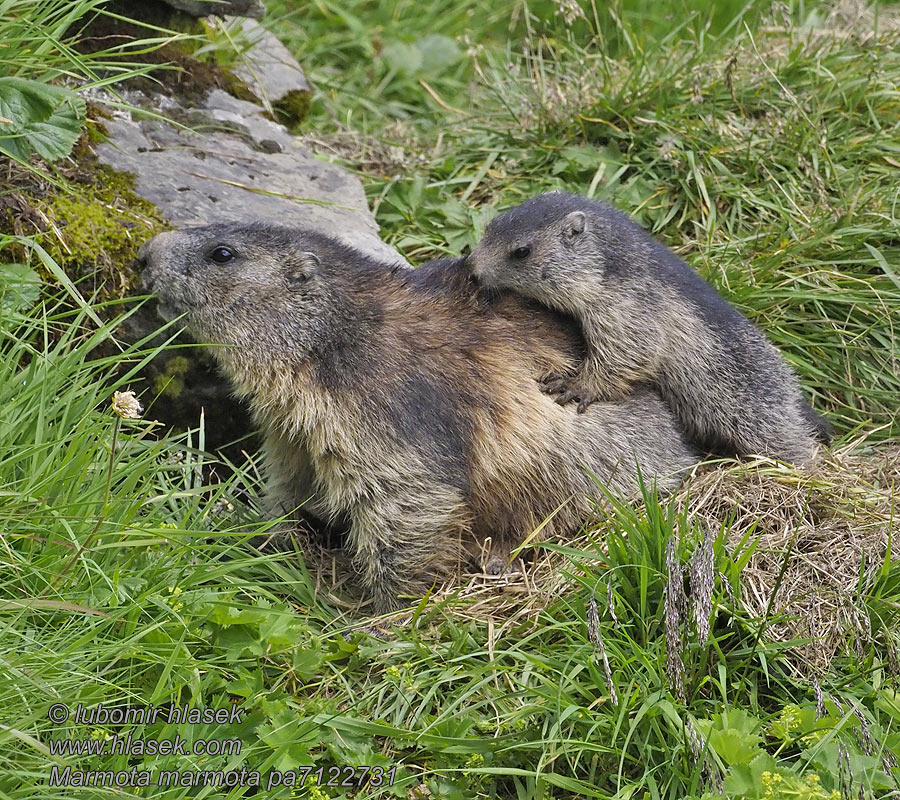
point(647, 316)
point(398, 404)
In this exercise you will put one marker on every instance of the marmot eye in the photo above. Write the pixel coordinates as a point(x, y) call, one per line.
point(520, 252)
point(222, 255)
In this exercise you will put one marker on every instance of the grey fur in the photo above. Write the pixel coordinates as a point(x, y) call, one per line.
point(648, 317)
point(399, 403)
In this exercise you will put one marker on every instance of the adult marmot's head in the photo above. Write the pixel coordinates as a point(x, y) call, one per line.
point(251, 284)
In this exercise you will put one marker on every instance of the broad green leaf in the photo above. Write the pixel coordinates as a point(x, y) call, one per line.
point(888, 700)
point(740, 720)
point(733, 746)
point(238, 642)
point(290, 737)
point(225, 614)
point(306, 662)
point(247, 684)
point(427, 56)
point(20, 287)
point(745, 780)
point(38, 117)
point(402, 57)
point(280, 630)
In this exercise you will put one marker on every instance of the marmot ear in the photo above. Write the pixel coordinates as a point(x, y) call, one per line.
point(301, 267)
point(574, 225)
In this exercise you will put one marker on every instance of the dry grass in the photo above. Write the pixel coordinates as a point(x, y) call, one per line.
point(394, 152)
point(812, 535)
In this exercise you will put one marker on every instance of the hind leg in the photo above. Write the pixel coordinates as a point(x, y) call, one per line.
point(402, 545)
point(776, 430)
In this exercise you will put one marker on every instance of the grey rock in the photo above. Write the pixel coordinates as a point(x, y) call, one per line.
point(241, 167)
point(236, 8)
point(222, 110)
point(271, 72)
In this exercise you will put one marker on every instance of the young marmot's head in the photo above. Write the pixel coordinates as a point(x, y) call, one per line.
point(248, 284)
point(541, 248)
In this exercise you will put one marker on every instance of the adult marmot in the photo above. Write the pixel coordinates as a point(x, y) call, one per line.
point(647, 316)
point(397, 403)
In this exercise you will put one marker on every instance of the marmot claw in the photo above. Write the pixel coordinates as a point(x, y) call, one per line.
point(582, 396)
point(554, 384)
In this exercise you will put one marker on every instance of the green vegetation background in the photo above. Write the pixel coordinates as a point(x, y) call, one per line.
point(763, 144)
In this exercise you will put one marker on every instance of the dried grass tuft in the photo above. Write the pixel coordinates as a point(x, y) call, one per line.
point(815, 529)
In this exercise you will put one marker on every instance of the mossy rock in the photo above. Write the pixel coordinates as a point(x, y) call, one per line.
point(180, 72)
point(99, 229)
point(91, 221)
point(291, 109)
point(86, 216)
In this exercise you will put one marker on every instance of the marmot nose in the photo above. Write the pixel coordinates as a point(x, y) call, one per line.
point(140, 264)
point(143, 257)
point(468, 266)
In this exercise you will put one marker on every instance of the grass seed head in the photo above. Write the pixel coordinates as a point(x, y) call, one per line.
point(674, 603)
point(593, 626)
point(820, 699)
point(702, 574)
point(610, 605)
point(126, 405)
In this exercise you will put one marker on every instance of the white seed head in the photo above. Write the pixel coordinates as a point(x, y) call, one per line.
point(570, 10)
point(126, 405)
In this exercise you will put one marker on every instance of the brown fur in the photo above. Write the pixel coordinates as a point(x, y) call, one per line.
point(401, 402)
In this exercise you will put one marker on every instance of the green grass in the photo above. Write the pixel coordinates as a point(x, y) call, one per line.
point(768, 160)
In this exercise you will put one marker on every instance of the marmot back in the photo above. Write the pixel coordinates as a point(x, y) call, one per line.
point(401, 403)
point(648, 317)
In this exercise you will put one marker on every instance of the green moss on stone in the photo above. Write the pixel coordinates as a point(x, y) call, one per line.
point(99, 226)
point(178, 67)
point(170, 382)
point(292, 108)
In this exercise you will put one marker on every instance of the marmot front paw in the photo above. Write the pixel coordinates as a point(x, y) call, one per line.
point(569, 388)
point(555, 383)
point(583, 396)
point(566, 389)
